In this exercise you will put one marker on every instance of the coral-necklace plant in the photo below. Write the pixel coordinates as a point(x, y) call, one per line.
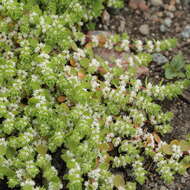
point(56, 91)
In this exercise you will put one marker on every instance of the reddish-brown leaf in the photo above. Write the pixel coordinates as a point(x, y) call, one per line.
point(72, 63)
point(97, 162)
point(88, 45)
point(156, 137)
point(111, 147)
point(61, 99)
point(81, 75)
point(102, 70)
point(142, 71)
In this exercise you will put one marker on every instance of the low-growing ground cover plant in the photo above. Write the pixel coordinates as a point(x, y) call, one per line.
point(175, 68)
point(56, 92)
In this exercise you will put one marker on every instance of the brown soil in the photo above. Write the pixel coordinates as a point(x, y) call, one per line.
point(129, 20)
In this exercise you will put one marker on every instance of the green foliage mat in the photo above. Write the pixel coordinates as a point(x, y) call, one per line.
point(56, 92)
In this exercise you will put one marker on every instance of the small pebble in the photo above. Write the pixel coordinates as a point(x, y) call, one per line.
point(157, 77)
point(159, 58)
point(177, 29)
point(163, 28)
point(183, 180)
point(160, 14)
point(105, 18)
point(144, 29)
point(168, 22)
point(121, 27)
point(170, 7)
point(155, 18)
point(186, 32)
point(105, 27)
point(186, 2)
point(163, 188)
point(113, 27)
point(186, 174)
point(186, 96)
point(157, 2)
point(170, 14)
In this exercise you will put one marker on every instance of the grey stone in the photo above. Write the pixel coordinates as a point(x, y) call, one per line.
point(105, 18)
point(168, 22)
point(163, 28)
point(144, 29)
point(186, 2)
point(170, 14)
point(186, 96)
point(186, 32)
point(157, 2)
point(121, 27)
point(183, 180)
point(163, 188)
point(159, 58)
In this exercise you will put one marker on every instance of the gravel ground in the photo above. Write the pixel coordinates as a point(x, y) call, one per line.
point(159, 19)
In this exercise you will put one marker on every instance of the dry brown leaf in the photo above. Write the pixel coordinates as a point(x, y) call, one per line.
point(142, 71)
point(99, 34)
point(73, 63)
point(111, 147)
point(61, 99)
point(97, 162)
point(88, 45)
point(102, 40)
point(81, 75)
point(148, 141)
point(99, 89)
point(156, 137)
point(102, 70)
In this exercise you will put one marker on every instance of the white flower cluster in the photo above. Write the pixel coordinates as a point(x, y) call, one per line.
point(20, 173)
point(177, 151)
point(139, 45)
point(109, 44)
point(116, 141)
point(109, 137)
point(95, 174)
point(28, 182)
point(119, 161)
point(80, 53)
point(95, 63)
point(125, 45)
point(95, 40)
point(3, 142)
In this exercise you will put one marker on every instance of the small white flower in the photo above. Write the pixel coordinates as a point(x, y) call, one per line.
point(150, 46)
point(139, 45)
point(125, 44)
point(131, 61)
point(95, 40)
